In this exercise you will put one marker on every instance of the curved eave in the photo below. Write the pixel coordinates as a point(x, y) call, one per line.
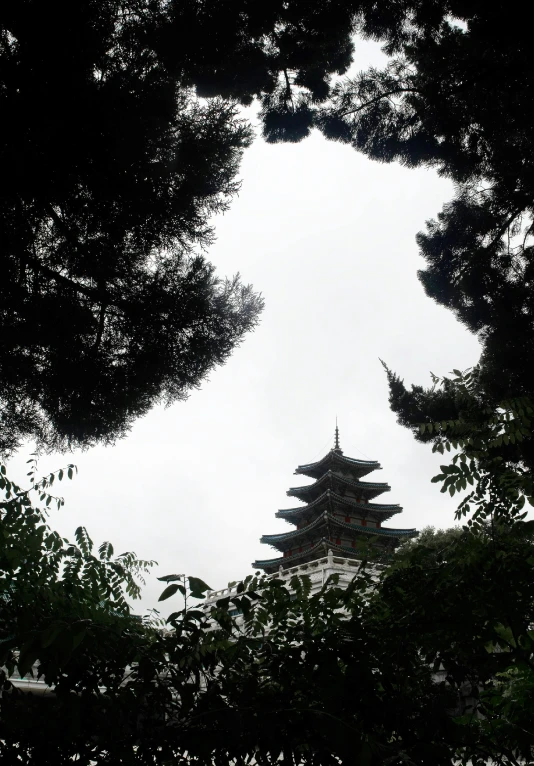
point(296, 533)
point(331, 480)
point(385, 511)
point(374, 507)
point(320, 549)
point(330, 520)
point(362, 467)
point(322, 545)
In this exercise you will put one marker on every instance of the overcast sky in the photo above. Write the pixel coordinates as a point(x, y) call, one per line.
point(328, 237)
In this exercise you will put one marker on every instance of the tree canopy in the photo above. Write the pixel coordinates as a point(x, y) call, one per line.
point(111, 169)
point(455, 96)
point(123, 137)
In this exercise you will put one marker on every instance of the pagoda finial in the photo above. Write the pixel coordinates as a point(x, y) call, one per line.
point(336, 443)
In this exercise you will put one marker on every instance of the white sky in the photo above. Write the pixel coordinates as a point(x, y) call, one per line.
point(328, 237)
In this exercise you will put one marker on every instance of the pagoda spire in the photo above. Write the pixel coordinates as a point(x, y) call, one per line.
point(337, 448)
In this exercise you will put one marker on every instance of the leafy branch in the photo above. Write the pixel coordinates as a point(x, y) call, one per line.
point(12, 490)
point(54, 592)
point(487, 441)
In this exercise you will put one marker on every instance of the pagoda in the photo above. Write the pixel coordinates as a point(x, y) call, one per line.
point(337, 514)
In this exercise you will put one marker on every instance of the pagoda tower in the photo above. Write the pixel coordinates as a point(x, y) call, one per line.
point(337, 514)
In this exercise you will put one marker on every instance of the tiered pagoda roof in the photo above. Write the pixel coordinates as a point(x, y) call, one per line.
point(337, 513)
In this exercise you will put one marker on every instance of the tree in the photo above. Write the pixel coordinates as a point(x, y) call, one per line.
point(449, 104)
point(110, 173)
point(122, 139)
point(445, 100)
point(428, 538)
point(65, 606)
point(467, 601)
point(491, 444)
point(408, 672)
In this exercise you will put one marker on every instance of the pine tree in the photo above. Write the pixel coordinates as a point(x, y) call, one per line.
point(456, 96)
point(120, 138)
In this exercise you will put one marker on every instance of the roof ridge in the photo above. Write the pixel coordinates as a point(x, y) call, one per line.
point(334, 454)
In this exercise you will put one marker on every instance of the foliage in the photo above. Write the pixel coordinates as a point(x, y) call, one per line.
point(111, 168)
point(444, 100)
point(394, 669)
point(492, 445)
point(106, 305)
point(430, 539)
point(123, 138)
point(470, 607)
point(64, 605)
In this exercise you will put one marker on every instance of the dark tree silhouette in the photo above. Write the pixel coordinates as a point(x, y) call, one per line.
point(120, 138)
point(456, 95)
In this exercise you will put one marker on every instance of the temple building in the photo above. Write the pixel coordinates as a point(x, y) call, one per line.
point(338, 515)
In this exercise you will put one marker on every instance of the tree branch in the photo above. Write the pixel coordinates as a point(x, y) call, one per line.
point(375, 100)
point(100, 331)
point(95, 294)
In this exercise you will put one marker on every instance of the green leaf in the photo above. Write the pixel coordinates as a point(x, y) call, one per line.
point(195, 615)
point(197, 586)
point(78, 636)
point(106, 551)
point(49, 635)
point(170, 590)
point(171, 578)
